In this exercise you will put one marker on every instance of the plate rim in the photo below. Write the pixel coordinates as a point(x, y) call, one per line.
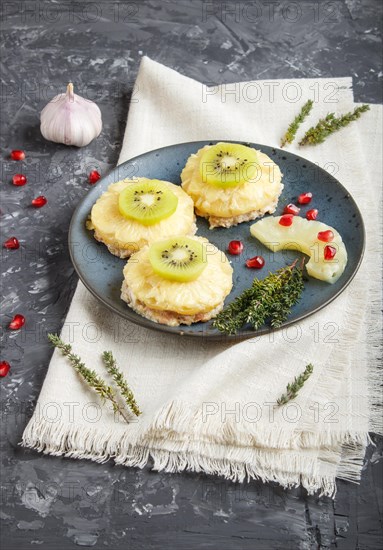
point(178, 331)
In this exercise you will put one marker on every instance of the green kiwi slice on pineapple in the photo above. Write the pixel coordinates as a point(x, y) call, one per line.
point(228, 165)
point(147, 202)
point(178, 259)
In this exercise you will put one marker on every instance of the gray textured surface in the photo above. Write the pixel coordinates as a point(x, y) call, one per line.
point(58, 503)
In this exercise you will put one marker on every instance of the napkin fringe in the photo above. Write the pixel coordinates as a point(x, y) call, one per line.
point(81, 442)
point(351, 462)
point(374, 379)
point(374, 322)
point(170, 454)
point(278, 468)
point(88, 443)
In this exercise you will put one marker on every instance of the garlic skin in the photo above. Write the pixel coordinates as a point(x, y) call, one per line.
point(70, 119)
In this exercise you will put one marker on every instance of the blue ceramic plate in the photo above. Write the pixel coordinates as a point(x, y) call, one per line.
point(101, 272)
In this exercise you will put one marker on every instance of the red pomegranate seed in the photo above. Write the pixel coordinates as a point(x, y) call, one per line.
point(325, 236)
point(17, 322)
point(40, 201)
point(4, 368)
point(286, 220)
point(94, 176)
point(291, 209)
point(305, 198)
point(235, 248)
point(312, 214)
point(256, 263)
point(17, 154)
point(11, 243)
point(329, 252)
point(19, 180)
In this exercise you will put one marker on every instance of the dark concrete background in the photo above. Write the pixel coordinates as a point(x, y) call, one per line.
point(58, 503)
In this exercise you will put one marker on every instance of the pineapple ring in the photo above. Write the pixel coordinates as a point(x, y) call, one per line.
point(199, 296)
point(302, 235)
point(125, 236)
point(261, 195)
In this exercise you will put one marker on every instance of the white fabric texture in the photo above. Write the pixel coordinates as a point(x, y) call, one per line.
point(210, 406)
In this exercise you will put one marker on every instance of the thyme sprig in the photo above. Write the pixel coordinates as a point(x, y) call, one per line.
point(118, 377)
point(270, 299)
point(293, 128)
point(90, 376)
point(293, 388)
point(330, 124)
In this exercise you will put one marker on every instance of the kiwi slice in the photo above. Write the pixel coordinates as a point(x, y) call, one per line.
point(147, 202)
point(178, 259)
point(228, 165)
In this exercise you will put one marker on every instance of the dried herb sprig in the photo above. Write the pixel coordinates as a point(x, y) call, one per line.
point(89, 376)
point(293, 128)
point(293, 389)
point(118, 377)
point(270, 299)
point(330, 124)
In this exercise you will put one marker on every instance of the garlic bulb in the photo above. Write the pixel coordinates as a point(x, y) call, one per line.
point(71, 119)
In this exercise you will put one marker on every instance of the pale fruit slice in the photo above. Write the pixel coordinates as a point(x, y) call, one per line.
point(302, 235)
point(147, 202)
point(228, 165)
point(106, 217)
point(178, 259)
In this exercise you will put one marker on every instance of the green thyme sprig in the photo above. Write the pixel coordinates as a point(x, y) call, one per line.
point(293, 389)
point(293, 128)
point(118, 377)
point(330, 124)
point(270, 299)
point(89, 376)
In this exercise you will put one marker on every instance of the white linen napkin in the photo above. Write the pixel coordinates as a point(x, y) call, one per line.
point(210, 407)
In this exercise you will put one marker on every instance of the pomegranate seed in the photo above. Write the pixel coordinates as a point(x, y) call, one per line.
point(325, 236)
point(329, 252)
point(17, 154)
point(11, 243)
point(40, 201)
point(235, 248)
point(305, 198)
point(291, 209)
point(286, 220)
point(312, 214)
point(19, 180)
point(17, 322)
point(94, 176)
point(4, 368)
point(256, 263)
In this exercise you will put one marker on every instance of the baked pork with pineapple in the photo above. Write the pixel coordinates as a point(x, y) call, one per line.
point(232, 183)
point(136, 212)
point(180, 280)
